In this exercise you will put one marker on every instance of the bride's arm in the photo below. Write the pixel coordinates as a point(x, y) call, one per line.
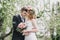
point(35, 26)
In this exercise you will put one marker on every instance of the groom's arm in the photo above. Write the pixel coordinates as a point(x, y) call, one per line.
point(15, 22)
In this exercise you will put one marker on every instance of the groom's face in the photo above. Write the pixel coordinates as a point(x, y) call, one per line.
point(23, 13)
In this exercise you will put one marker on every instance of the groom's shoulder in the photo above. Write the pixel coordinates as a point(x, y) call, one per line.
point(17, 15)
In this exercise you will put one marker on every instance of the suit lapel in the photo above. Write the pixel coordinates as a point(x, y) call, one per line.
point(19, 18)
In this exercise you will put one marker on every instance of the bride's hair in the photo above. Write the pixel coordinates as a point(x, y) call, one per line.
point(31, 14)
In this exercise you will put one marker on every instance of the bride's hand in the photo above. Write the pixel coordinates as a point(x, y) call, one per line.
point(25, 32)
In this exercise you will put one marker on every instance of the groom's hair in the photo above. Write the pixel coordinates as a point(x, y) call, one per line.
point(24, 9)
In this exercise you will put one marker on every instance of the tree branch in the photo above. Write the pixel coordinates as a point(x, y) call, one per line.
point(6, 34)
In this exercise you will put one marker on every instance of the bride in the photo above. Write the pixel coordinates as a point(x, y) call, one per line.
point(31, 24)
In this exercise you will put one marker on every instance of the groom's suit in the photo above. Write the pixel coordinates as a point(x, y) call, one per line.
point(16, 34)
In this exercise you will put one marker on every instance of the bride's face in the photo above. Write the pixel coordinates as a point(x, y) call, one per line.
point(27, 14)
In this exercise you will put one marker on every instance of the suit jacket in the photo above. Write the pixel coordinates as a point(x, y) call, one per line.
point(16, 34)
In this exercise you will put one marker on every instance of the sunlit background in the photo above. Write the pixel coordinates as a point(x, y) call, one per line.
point(47, 11)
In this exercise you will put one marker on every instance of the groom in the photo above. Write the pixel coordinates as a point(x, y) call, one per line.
point(16, 22)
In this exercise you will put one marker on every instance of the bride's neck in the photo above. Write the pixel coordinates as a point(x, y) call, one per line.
point(28, 18)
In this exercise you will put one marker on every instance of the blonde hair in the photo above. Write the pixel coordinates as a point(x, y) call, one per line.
point(31, 14)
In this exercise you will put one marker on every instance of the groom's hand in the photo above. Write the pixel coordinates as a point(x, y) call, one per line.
point(21, 25)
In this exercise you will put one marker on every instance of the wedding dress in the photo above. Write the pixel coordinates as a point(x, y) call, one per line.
point(32, 35)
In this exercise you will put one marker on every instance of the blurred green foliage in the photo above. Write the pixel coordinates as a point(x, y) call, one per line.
point(8, 9)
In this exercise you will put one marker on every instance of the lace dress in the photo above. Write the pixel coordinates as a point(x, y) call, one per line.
point(32, 35)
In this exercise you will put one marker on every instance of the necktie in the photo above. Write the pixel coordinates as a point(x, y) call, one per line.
point(23, 19)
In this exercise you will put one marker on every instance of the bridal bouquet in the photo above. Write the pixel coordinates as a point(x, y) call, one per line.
point(21, 27)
